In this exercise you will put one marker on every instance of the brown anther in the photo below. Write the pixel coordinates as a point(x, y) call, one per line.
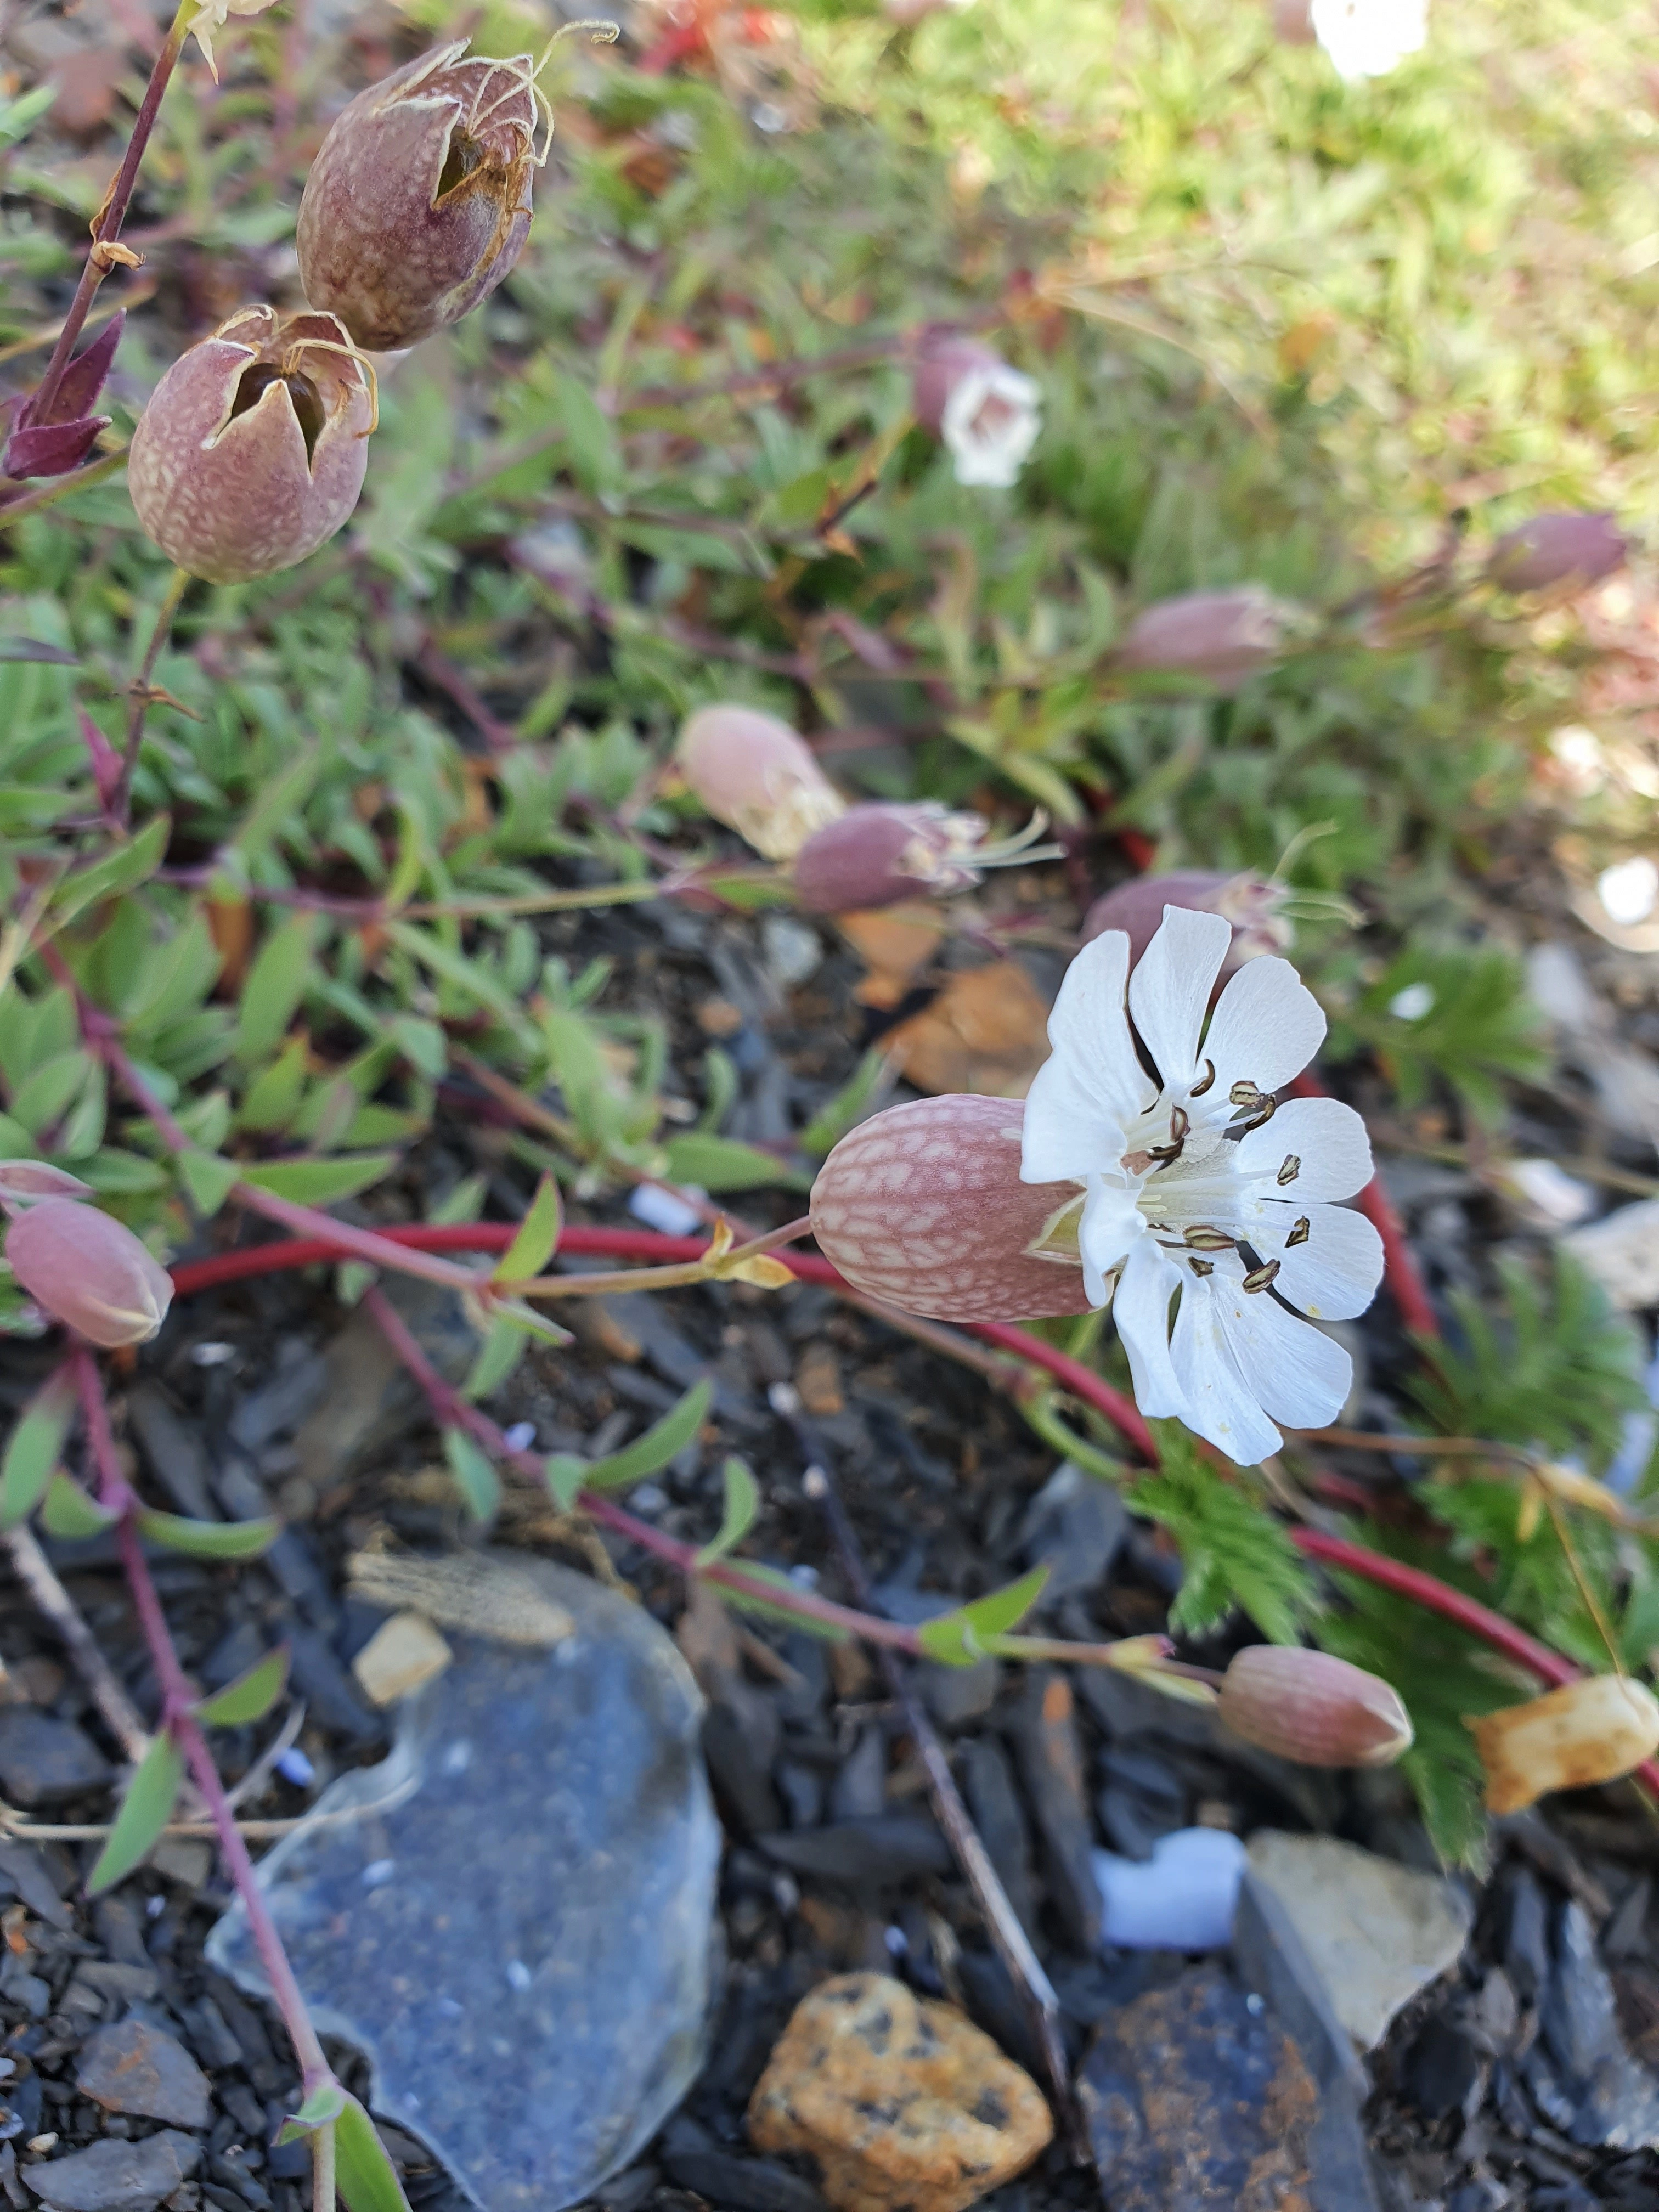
point(1205, 1239)
point(1199, 1089)
point(1291, 1167)
point(1244, 1094)
point(1299, 1234)
point(1201, 1267)
point(1260, 1277)
point(1266, 1107)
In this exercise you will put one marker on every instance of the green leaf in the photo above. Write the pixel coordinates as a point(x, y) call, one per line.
point(208, 1178)
point(273, 1097)
point(250, 1697)
point(838, 1115)
point(742, 1505)
point(275, 987)
point(723, 1163)
point(958, 1639)
point(646, 1453)
point(211, 1540)
point(566, 1473)
point(68, 1512)
point(367, 2178)
point(320, 1182)
point(123, 870)
point(33, 1451)
point(145, 1811)
point(498, 1355)
point(537, 1237)
point(327, 2102)
point(475, 1478)
point(748, 1602)
point(1233, 1552)
point(281, 799)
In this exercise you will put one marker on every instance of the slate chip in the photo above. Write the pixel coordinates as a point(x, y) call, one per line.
point(114, 2176)
point(44, 1760)
point(131, 2067)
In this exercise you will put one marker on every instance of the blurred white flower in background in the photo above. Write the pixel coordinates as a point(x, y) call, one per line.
point(1368, 38)
point(987, 414)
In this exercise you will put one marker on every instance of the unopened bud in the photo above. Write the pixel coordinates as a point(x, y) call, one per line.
point(987, 414)
point(26, 1182)
point(251, 451)
point(418, 203)
point(1591, 1731)
point(1250, 902)
point(1220, 637)
point(88, 1270)
point(875, 854)
point(1315, 1709)
point(922, 1206)
point(1557, 549)
point(755, 775)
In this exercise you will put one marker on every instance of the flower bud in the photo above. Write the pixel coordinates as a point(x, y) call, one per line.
point(754, 773)
point(1593, 1730)
point(53, 443)
point(253, 448)
point(1318, 1711)
point(873, 855)
point(26, 1182)
point(1221, 637)
point(1250, 902)
point(922, 1206)
point(987, 414)
point(418, 203)
point(88, 1270)
point(1557, 549)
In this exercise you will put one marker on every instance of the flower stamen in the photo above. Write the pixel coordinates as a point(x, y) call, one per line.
point(1198, 1090)
point(1290, 1169)
point(1258, 1279)
point(1205, 1239)
point(1201, 1267)
point(1299, 1234)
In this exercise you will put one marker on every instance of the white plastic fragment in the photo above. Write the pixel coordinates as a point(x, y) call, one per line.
point(1183, 1899)
point(1629, 890)
point(1621, 1251)
point(1559, 1198)
point(663, 1209)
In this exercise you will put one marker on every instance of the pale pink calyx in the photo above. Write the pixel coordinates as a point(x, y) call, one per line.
point(88, 1270)
point(1313, 1708)
point(757, 775)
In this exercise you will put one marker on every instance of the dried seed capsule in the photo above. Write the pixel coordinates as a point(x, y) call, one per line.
point(1308, 1706)
point(1557, 549)
point(1220, 637)
point(1590, 1731)
point(251, 451)
point(418, 203)
point(875, 854)
point(754, 773)
point(89, 1271)
point(922, 1206)
point(1250, 902)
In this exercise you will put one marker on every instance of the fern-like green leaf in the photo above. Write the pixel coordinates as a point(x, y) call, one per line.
point(1234, 1552)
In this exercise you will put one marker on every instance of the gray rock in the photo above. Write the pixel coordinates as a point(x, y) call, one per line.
point(1075, 1527)
point(173, 1451)
point(521, 1935)
point(988, 1782)
point(1610, 2099)
point(1376, 1931)
point(1044, 1733)
point(24, 1875)
point(44, 1760)
point(114, 2176)
point(865, 1854)
point(131, 2067)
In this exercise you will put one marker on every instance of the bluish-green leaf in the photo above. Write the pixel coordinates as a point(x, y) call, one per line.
point(537, 1237)
point(250, 1697)
point(367, 2178)
point(327, 2102)
point(209, 1179)
point(32, 1453)
point(320, 1182)
point(211, 1540)
point(275, 987)
point(145, 1811)
point(665, 1441)
point(123, 870)
point(66, 1511)
point(476, 1479)
point(722, 1163)
point(958, 1639)
point(742, 1505)
point(498, 1355)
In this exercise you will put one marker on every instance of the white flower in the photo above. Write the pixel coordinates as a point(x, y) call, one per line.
point(1197, 1182)
point(1368, 38)
point(990, 423)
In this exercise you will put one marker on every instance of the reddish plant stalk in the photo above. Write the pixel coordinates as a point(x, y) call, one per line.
point(178, 1719)
point(1399, 1270)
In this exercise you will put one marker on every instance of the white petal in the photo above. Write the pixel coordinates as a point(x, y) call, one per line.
point(1140, 1308)
point(1267, 1026)
point(1092, 1082)
point(1293, 1371)
point(1325, 1138)
point(1333, 1274)
point(1218, 1405)
point(1110, 1227)
point(1170, 989)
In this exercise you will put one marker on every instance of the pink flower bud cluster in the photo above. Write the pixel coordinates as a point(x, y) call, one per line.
point(79, 1265)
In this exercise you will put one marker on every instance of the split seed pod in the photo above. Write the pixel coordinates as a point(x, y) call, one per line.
point(922, 1206)
point(251, 451)
point(89, 1271)
point(1314, 1709)
point(1250, 902)
point(418, 203)
point(753, 773)
point(874, 855)
point(1591, 1731)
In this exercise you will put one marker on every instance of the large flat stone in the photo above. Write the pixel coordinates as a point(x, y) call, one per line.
point(114, 2176)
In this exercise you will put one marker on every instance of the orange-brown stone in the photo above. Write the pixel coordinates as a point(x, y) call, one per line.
point(904, 2104)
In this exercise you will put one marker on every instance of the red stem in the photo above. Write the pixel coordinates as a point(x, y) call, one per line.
point(178, 1718)
point(1399, 1270)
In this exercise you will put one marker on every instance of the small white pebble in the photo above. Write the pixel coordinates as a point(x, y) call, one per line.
point(452, 2009)
point(804, 1577)
point(1560, 1197)
point(648, 1499)
point(1412, 1004)
point(458, 1758)
point(1183, 1899)
point(896, 1942)
point(41, 2144)
point(521, 1435)
point(662, 1208)
point(294, 1767)
point(519, 1975)
point(377, 1871)
point(155, 1907)
point(1629, 890)
point(211, 1354)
